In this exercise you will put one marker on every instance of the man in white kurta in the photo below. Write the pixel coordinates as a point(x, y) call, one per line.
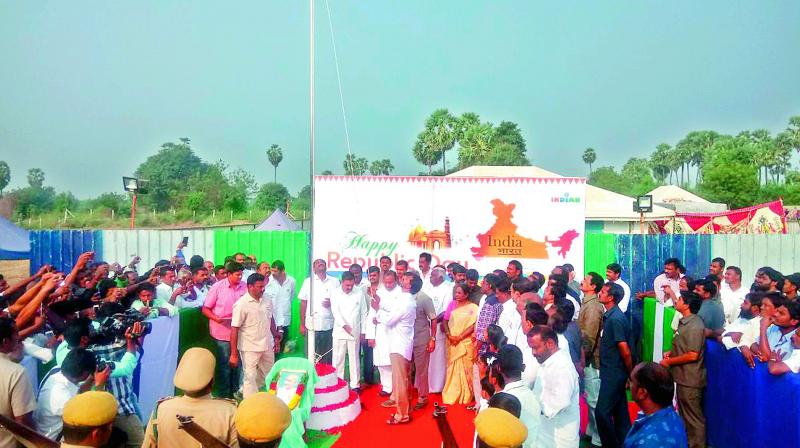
point(441, 294)
point(510, 364)
point(386, 295)
point(557, 391)
point(349, 307)
point(320, 320)
point(398, 317)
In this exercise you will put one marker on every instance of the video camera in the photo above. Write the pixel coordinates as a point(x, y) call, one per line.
point(115, 326)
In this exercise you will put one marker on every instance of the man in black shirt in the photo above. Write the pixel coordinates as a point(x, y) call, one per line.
point(611, 412)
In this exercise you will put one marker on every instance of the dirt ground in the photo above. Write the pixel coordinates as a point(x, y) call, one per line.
point(14, 270)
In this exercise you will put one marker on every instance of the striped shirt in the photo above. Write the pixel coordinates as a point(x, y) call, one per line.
point(121, 388)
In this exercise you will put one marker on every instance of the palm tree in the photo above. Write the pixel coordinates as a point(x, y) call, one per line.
point(275, 156)
point(440, 133)
point(424, 153)
point(589, 157)
point(659, 161)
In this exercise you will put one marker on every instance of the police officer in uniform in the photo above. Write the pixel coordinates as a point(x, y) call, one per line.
point(88, 420)
point(195, 377)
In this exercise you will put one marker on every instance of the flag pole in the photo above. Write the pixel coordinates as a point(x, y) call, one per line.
point(310, 305)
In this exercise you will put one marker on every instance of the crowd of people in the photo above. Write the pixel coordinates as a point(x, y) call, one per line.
point(518, 350)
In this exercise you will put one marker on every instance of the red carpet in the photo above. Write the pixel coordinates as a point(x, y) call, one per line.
point(370, 428)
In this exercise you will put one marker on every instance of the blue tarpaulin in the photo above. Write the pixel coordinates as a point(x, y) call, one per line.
point(14, 241)
point(749, 407)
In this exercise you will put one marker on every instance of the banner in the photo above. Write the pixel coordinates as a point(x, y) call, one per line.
point(158, 364)
point(763, 218)
point(481, 223)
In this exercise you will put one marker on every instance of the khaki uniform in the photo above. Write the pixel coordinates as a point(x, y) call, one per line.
point(256, 347)
point(16, 395)
point(215, 415)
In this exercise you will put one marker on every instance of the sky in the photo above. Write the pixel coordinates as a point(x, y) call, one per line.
point(91, 89)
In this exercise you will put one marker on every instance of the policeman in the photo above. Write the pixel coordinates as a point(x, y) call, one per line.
point(195, 377)
point(497, 428)
point(88, 419)
point(261, 420)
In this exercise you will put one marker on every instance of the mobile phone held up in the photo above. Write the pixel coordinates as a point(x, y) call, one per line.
point(185, 241)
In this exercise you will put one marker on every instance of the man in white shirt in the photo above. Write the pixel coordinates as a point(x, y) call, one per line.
point(76, 375)
point(318, 312)
point(557, 390)
point(398, 316)
point(373, 282)
point(732, 293)
point(192, 294)
point(509, 319)
point(358, 275)
point(670, 277)
point(614, 274)
point(510, 366)
point(387, 294)
point(741, 332)
point(166, 285)
point(281, 290)
point(349, 307)
point(425, 268)
point(441, 294)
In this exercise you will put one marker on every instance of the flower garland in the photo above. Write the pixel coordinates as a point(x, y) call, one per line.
point(298, 394)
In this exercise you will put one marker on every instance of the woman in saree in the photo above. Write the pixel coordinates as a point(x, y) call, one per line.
point(460, 348)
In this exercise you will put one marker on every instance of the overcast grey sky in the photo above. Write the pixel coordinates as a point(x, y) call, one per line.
point(90, 89)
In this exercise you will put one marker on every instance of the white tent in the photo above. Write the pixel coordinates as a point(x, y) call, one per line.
point(613, 210)
point(680, 200)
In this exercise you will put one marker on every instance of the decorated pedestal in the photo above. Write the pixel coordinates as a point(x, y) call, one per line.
point(335, 405)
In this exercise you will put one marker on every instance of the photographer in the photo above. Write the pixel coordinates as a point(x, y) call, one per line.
point(77, 375)
point(150, 306)
point(78, 334)
point(113, 350)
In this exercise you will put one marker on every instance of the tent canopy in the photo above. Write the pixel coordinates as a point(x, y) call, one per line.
point(14, 241)
point(278, 221)
point(601, 205)
point(682, 201)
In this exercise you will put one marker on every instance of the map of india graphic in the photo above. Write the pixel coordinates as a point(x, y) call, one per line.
point(502, 239)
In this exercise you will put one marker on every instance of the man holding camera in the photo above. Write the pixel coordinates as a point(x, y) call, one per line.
point(122, 386)
point(77, 375)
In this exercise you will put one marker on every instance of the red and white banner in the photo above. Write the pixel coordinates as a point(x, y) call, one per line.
point(479, 222)
point(763, 218)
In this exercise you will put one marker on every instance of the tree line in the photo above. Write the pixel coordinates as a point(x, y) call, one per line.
point(739, 170)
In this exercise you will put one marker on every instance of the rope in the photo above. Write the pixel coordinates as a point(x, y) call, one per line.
point(339, 80)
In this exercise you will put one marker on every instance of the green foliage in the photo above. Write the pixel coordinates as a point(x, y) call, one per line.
point(168, 172)
point(475, 144)
point(505, 154)
point(729, 174)
point(660, 163)
point(271, 196)
point(5, 176)
point(35, 178)
point(606, 177)
point(65, 201)
point(109, 201)
point(509, 133)
point(275, 156)
point(354, 165)
point(637, 177)
point(589, 157)
point(381, 167)
point(33, 200)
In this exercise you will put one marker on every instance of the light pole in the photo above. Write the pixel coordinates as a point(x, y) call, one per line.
point(134, 186)
point(643, 204)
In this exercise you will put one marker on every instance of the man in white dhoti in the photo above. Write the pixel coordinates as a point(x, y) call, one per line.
point(441, 294)
point(349, 307)
point(380, 354)
point(557, 391)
